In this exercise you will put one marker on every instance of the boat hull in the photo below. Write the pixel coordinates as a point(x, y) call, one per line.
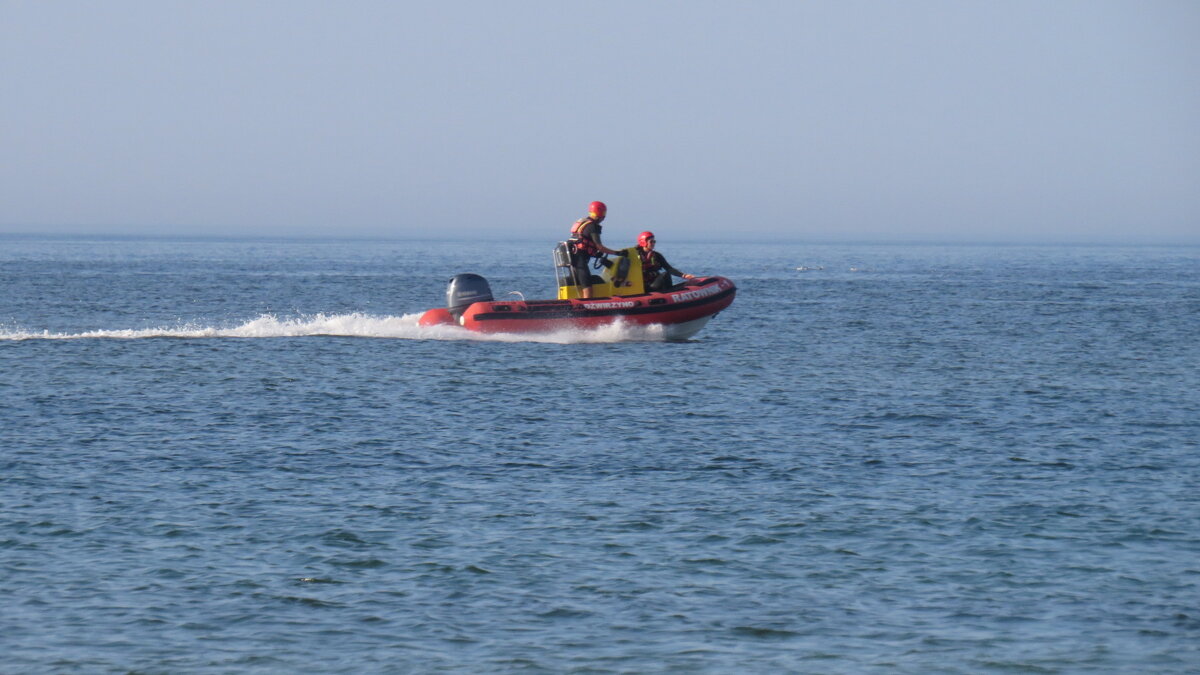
point(682, 311)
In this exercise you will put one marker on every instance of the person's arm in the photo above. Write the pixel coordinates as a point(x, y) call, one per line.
point(604, 248)
point(662, 260)
point(591, 232)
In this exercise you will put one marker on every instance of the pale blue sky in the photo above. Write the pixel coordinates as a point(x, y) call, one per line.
point(812, 121)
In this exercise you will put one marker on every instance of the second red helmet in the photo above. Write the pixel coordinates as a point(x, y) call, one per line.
point(645, 238)
point(597, 209)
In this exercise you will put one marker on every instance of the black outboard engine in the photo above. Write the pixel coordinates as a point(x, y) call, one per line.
point(465, 290)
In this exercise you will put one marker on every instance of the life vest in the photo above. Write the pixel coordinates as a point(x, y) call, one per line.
point(650, 266)
point(582, 243)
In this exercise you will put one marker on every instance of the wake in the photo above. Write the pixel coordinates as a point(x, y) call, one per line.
point(349, 325)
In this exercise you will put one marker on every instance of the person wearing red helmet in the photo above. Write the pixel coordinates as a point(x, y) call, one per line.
point(656, 271)
point(585, 245)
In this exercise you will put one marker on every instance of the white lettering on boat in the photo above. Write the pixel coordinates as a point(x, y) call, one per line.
point(697, 294)
point(611, 305)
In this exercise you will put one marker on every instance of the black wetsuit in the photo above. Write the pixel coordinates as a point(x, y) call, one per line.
point(657, 272)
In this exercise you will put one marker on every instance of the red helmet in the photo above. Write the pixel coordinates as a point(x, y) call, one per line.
point(597, 209)
point(645, 239)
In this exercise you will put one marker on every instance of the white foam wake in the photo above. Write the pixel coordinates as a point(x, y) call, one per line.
point(349, 325)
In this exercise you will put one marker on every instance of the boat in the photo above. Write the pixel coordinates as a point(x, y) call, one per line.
point(619, 295)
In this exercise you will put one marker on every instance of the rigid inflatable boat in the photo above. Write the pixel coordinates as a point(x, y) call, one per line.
point(618, 294)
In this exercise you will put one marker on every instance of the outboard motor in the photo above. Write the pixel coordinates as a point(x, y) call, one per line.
point(465, 290)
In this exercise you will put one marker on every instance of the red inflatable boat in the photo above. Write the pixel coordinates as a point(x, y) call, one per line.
point(681, 311)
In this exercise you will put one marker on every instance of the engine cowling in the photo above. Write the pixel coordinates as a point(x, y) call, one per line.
point(465, 290)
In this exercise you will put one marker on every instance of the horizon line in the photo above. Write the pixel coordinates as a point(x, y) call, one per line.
point(750, 239)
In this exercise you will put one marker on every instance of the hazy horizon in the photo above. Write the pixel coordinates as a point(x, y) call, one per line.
point(860, 122)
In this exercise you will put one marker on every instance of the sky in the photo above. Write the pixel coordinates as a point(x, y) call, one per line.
point(921, 121)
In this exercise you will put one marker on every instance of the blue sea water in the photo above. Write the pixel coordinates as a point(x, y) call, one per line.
point(245, 456)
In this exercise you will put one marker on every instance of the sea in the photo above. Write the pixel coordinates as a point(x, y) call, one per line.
point(246, 456)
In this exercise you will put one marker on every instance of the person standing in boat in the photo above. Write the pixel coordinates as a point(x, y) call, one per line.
point(656, 271)
point(585, 245)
